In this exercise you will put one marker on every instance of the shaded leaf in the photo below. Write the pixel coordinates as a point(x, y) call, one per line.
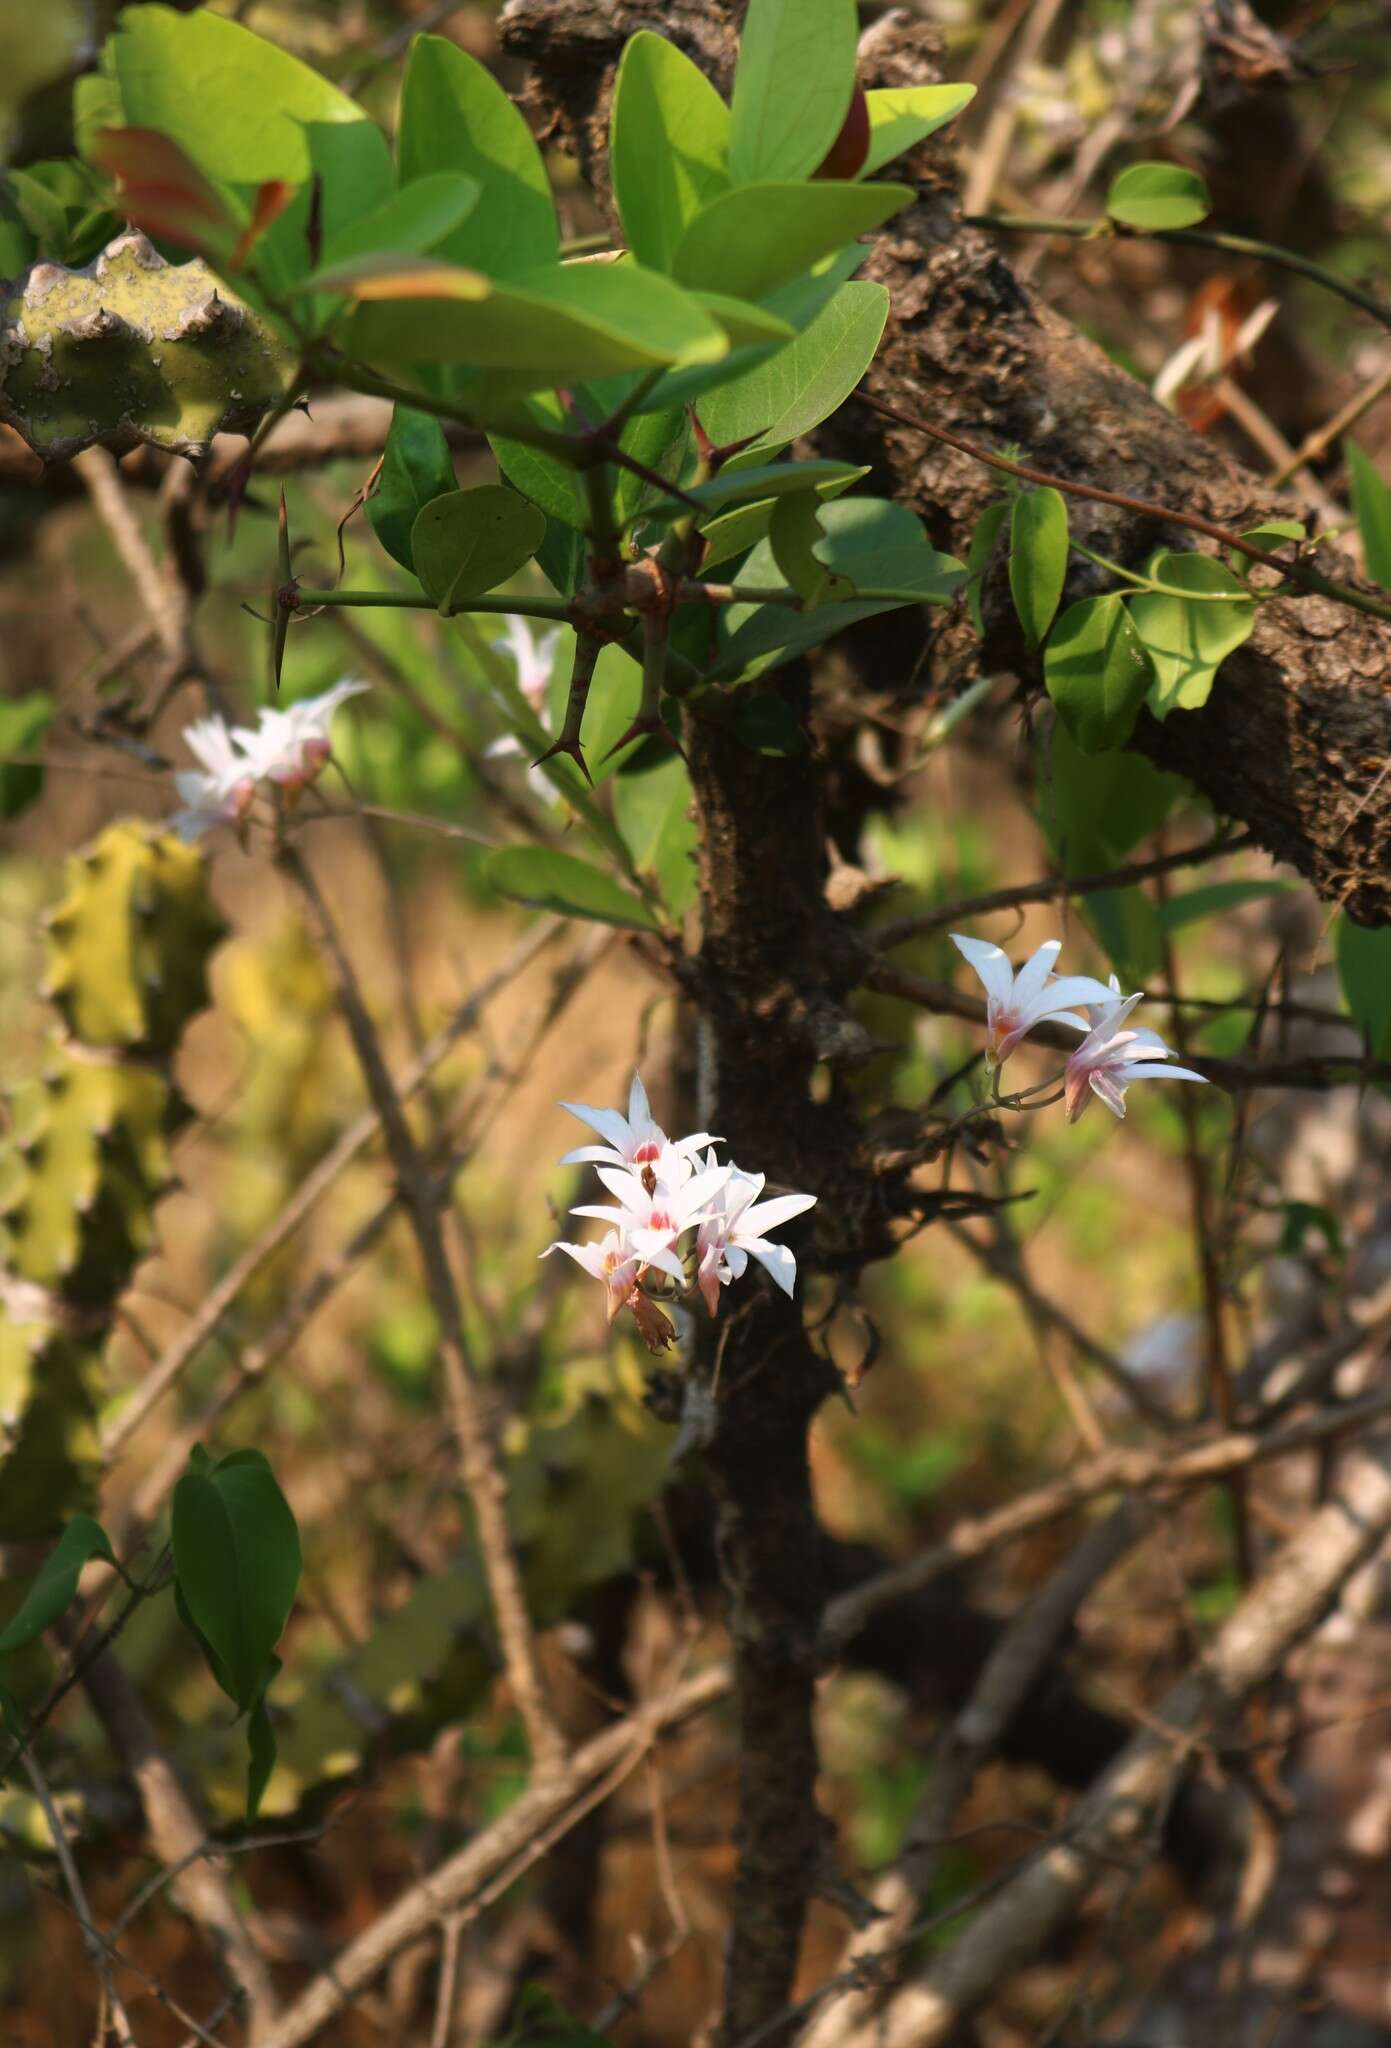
point(1097, 672)
point(749, 241)
point(551, 326)
point(236, 1565)
point(668, 147)
point(793, 533)
point(1371, 501)
point(55, 1585)
point(417, 218)
point(416, 468)
point(23, 724)
point(767, 480)
point(792, 87)
point(546, 880)
point(1364, 970)
point(1037, 558)
point(802, 384)
point(1188, 642)
point(467, 542)
point(1214, 898)
point(744, 525)
point(978, 555)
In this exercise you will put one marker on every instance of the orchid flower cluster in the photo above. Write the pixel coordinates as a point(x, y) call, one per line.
point(287, 748)
point(679, 1225)
point(1111, 1054)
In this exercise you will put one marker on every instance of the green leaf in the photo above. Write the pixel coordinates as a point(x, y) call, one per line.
point(413, 220)
point(1364, 969)
point(247, 113)
point(1158, 196)
point(1037, 558)
point(1188, 642)
point(978, 555)
point(793, 533)
point(745, 324)
point(792, 391)
point(1270, 535)
point(55, 1586)
point(559, 882)
point(553, 326)
point(903, 116)
point(456, 117)
point(1214, 899)
point(467, 542)
point(746, 486)
point(260, 1740)
point(1094, 808)
point(668, 146)
point(731, 532)
point(1125, 926)
point(757, 237)
point(792, 87)
point(657, 439)
point(875, 544)
point(416, 468)
point(653, 812)
point(1371, 501)
point(23, 724)
point(237, 1565)
point(1097, 672)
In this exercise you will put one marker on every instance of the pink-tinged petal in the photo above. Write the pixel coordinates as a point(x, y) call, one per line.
point(1155, 1072)
point(709, 1277)
point(1077, 1089)
point(612, 1128)
point(1029, 981)
point(988, 963)
point(1067, 990)
point(625, 1184)
point(592, 1155)
point(587, 1255)
point(1105, 1090)
point(667, 1262)
point(776, 1259)
point(762, 1217)
point(621, 1217)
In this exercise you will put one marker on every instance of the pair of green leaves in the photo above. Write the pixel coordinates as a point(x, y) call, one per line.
point(459, 544)
point(700, 184)
point(1106, 656)
point(236, 1571)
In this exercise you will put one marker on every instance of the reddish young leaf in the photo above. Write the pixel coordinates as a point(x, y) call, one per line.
point(162, 190)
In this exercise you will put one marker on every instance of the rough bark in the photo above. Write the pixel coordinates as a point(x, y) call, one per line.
point(1298, 728)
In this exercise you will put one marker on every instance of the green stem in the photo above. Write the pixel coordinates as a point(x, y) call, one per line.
point(1167, 589)
point(1300, 573)
point(1190, 238)
point(402, 600)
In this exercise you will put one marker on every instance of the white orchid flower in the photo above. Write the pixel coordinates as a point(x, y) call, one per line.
point(1015, 1003)
point(614, 1262)
point(1111, 1056)
point(652, 1219)
point(218, 793)
point(635, 1140)
point(735, 1231)
point(290, 747)
point(534, 658)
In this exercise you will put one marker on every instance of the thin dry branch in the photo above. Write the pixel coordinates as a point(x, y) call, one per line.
point(548, 1806)
point(481, 1469)
point(1117, 1817)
